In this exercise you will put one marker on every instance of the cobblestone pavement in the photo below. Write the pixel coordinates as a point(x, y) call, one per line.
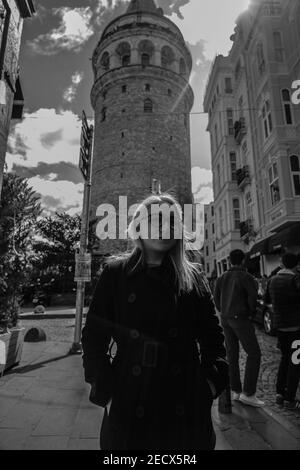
point(62, 330)
point(267, 377)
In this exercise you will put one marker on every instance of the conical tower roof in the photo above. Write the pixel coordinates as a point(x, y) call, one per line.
point(143, 5)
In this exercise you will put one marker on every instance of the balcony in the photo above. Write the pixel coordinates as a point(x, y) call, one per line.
point(240, 130)
point(247, 231)
point(243, 176)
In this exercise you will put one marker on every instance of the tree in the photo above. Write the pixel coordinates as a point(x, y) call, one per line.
point(55, 244)
point(19, 210)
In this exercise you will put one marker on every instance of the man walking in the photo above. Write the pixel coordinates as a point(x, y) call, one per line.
point(284, 293)
point(236, 297)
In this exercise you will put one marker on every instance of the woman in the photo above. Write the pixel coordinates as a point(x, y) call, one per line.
point(170, 361)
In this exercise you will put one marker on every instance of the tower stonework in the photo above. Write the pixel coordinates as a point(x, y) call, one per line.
point(142, 100)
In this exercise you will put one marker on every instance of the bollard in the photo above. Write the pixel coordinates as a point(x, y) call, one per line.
point(34, 335)
point(224, 405)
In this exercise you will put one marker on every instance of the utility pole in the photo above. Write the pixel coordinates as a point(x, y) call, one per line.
point(83, 259)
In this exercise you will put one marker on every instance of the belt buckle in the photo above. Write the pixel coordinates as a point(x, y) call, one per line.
point(150, 354)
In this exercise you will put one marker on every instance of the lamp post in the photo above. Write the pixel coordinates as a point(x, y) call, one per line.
point(83, 259)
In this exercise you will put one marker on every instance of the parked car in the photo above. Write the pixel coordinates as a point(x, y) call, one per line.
point(264, 316)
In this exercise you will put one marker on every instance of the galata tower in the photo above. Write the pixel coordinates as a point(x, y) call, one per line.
point(142, 102)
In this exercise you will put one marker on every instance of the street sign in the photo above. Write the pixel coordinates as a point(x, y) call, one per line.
point(83, 267)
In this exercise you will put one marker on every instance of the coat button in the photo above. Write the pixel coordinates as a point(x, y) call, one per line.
point(173, 333)
point(176, 370)
point(132, 298)
point(179, 410)
point(136, 371)
point(134, 334)
point(140, 412)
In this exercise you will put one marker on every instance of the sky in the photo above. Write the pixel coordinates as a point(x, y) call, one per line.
point(56, 77)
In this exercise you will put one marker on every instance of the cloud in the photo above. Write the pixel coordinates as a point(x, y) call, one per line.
point(58, 196)
point(70, 93)
point(73, 32)
point(202, 185)
point(46, 136)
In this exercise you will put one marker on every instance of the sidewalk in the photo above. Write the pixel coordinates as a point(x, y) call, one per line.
point(44, 405)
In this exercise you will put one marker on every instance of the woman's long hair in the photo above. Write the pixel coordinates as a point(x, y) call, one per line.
point(188, 274)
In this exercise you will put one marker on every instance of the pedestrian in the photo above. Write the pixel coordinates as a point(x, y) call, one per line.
point(284, 294)
point(170, 362)
point(236, 296)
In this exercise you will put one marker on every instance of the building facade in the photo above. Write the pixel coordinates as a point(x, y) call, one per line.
point(209, 246)
point(255, 137)
point(12, 15)
point(142, 100)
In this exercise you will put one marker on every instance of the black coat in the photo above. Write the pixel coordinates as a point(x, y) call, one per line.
point(167, 346)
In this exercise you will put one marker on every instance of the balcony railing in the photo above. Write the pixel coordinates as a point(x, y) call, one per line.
point(243, 176)
point(240, 130)
point(247, 230)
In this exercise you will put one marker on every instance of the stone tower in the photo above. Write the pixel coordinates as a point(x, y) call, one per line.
point(142, 100)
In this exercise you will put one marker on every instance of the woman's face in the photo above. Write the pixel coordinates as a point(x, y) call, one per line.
point(161, 236)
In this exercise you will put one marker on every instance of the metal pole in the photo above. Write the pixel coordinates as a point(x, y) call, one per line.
point(76, 346)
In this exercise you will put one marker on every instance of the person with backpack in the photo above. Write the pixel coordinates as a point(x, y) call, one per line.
point(170, 362)
point(235, 297)
point(283, 292)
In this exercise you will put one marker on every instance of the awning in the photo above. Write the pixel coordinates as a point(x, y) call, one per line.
point(285, 239)
point(260, 248)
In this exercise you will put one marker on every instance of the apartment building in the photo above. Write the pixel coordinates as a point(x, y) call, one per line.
point(209, 246)
point(12, 15)
point(255, 137)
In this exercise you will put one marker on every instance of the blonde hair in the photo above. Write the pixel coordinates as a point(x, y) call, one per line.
point(188, 274)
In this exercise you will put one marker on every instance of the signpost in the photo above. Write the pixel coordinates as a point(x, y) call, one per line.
point(82, 258)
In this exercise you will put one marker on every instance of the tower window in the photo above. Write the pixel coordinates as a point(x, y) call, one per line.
point(125, 60)
point(167, 56)
point(182, 67)
point(105, 61)
point(124, 89)
point(169, 92)
point(123, 110)
point(145, 60)
point(148, 106)
point(123, 135)
point(103, 114)
point(124, 52)
point(104, 94)
point(171, 137)
point(147, 87)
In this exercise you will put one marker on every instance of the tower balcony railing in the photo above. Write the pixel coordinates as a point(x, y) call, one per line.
point(240, 130)
point(243, 176)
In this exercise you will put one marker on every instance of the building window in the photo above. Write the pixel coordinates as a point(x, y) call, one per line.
point(206, 234)
point(295, 169)
point(249, 205)
point(267, 119)
point(218, 90)
point(278, 46)
point(103, 114)
point(213, 228)
point(233, 166)
point(124, 89)
point(145, 60)
point(205, 218)
point(286, 102)
point(148, 106)
point(214, 246)
point(230, 122)
point(237, 69)
point(221, 221)
point(216, 135)
point(212, 211)
point(207, 268)
point(236, 213)
point(147, 87)
point(274, 184)
point(123, 135)
point(260, 58)
point(104, 94)
point(169, 92)
point(228, 85)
